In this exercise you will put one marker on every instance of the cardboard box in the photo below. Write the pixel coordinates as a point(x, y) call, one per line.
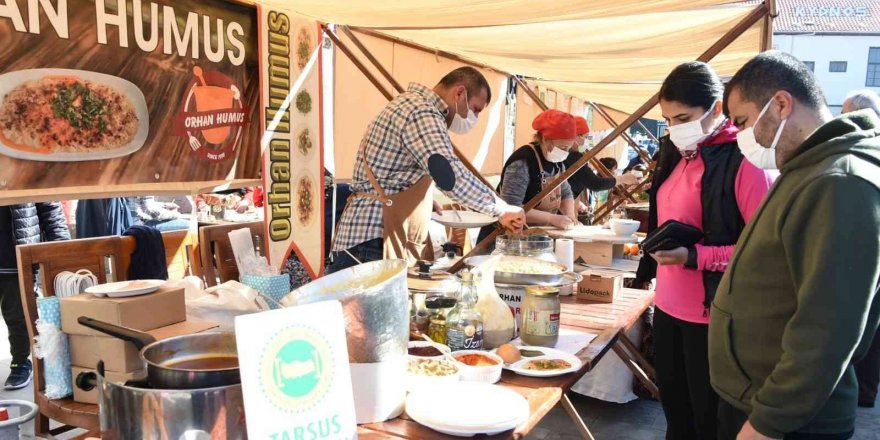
point(144, 312)
point(599, 285)
point(122, 356)
point(597, 253)
point(91, 396)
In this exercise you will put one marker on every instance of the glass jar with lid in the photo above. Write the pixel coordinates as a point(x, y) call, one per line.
point(533, 245)
point(438, 307)
point(540, 316)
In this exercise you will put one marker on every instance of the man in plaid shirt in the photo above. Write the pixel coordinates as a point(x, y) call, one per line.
point(408, 140)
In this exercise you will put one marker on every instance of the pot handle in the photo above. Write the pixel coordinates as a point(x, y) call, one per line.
point(86, 381)
point(139, 339)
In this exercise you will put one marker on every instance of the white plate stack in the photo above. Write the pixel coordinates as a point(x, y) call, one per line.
point(466, 409)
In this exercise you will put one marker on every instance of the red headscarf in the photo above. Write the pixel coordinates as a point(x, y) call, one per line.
point(555, 124)
point(581, 125)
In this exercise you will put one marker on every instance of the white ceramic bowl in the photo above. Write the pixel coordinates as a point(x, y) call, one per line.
point(624, 227)
point(485, 374)
point(418, 381)
point(444, 350)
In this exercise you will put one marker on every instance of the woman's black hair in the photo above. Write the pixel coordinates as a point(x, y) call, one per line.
point(694, 84)
point(609, 162)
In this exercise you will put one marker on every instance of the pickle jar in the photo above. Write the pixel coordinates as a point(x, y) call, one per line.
point(437, 307)
point(540, 316)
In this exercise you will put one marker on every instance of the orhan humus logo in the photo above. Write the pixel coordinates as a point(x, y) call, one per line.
point(211, 115)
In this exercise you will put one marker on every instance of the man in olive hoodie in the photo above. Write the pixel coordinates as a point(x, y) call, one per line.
point(797, 303)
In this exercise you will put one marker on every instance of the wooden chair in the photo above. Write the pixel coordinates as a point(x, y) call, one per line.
point(180, 248)
point(217, 261)
point(108, 258)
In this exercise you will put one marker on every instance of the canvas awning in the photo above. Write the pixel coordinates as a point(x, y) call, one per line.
point(423, 14)
point(613, 52)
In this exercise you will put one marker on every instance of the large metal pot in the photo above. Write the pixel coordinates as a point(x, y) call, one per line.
point(201, 360)
point(132, 411)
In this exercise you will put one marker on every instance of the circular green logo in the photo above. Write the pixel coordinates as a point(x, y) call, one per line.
point(297, 369)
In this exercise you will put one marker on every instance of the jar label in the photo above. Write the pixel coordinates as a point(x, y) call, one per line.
point(541, 323)
point(468, 338)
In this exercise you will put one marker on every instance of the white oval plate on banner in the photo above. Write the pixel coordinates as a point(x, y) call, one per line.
point(11, 80)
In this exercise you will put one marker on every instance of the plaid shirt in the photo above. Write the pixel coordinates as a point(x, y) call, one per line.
point(398, 143)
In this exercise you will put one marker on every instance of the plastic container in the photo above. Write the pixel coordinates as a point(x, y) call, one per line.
point(484, 374)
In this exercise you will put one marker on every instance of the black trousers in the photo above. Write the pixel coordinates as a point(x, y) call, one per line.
point(731, 421)
point(681, 360)
point(868, 373)
point(13, 314)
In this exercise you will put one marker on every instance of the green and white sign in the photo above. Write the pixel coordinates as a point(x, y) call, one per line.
point(295, 373)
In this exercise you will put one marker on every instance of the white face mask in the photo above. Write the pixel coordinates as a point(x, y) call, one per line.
point(759, 155)
point(557, 155)
point(461, 125)
point(688, 135)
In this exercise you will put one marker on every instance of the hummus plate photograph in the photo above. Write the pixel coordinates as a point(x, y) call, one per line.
point(65, 115)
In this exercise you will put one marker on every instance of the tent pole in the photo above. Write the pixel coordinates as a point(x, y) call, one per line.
point(531, 93)
point(544, 107)
point(644, 155)
point(596, 164)
point(731, 35)
point(464, 160)
point(357, 63)
point(609, 207)
point(421, 48)
point(357, 42)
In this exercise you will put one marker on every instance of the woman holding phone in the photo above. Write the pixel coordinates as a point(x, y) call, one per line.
point(701, 180)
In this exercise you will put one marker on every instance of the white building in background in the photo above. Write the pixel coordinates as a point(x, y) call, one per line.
point(838, 39)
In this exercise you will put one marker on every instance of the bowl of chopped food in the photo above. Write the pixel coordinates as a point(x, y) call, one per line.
point(427, 350)
point(424, 372)
point(478, 366)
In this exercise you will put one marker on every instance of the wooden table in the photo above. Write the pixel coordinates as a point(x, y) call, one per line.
point(609, 321)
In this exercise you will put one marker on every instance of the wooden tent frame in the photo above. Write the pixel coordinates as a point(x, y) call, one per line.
point(763, 11)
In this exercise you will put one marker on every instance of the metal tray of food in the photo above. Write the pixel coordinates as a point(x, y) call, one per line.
point(530, 271)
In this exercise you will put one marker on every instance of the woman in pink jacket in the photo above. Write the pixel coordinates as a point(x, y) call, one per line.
point(701, 179)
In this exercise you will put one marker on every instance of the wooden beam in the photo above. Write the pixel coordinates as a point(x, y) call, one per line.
point(375, 81)
point(747, 22)
point(607, 117)
point(609, 207)
point(531, 93)
point(357, 42)
point(357, 63)
point(596, 164)
point(419, 47)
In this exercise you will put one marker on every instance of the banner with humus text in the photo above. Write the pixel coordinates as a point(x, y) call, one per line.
point(124, 97)
point(292, 144)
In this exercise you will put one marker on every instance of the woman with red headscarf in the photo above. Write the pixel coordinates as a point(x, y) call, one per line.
point(530, 168)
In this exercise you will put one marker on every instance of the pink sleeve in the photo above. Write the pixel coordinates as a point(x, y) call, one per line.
point(752, 184)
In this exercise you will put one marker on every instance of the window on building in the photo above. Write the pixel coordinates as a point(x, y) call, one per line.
point(873, 79)
point(811, 65)
point(837, 66)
